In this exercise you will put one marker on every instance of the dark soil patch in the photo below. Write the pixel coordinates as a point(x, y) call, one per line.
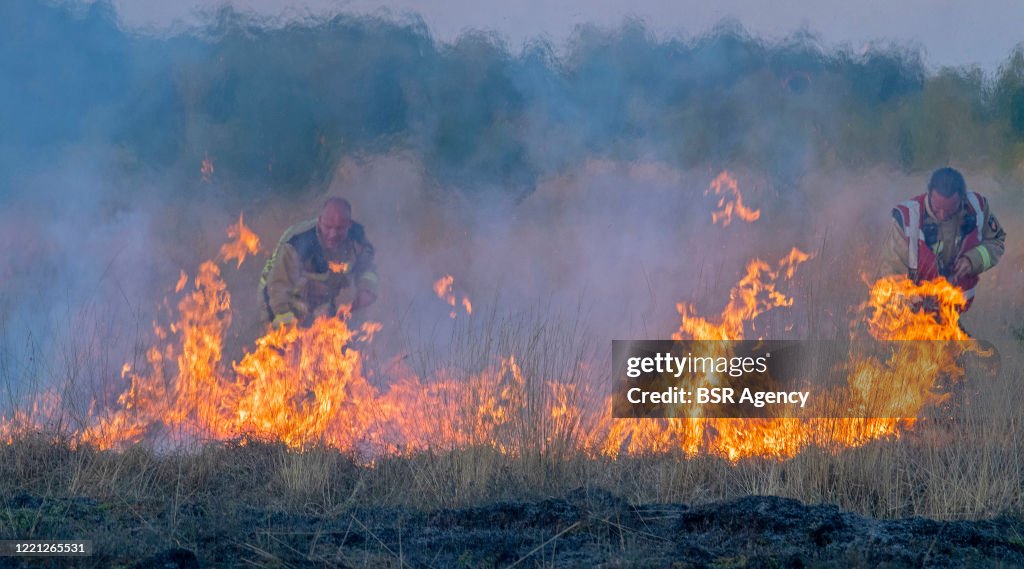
point(580, 529)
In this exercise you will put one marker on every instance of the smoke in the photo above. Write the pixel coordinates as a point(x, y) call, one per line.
point(275, 105)
point(555, 179)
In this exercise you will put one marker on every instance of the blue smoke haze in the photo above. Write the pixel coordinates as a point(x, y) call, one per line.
point(275, 107)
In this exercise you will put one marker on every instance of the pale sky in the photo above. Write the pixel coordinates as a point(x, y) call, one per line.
point(952, 32)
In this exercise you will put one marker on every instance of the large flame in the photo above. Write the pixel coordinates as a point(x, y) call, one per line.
point(298, 385)
point(730, 201)
point(306, 386)
point(899, 309)
point(897, 388)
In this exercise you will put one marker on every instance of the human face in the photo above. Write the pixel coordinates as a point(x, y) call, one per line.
point(333, 225)
point(942, 206)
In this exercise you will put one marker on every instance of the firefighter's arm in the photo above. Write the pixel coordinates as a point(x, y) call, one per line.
point(895, 252)
point(993, 242)
point(284, 288)
point(365, 270)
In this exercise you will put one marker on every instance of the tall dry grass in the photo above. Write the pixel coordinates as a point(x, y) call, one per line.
point(967, 466)
point(211, 495)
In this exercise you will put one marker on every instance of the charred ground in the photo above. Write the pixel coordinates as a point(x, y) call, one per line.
point(580, 529)
point(253, 504)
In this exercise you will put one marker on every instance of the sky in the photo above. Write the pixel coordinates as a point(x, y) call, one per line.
point(951, 32)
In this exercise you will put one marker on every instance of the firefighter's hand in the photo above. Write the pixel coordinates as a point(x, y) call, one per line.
point(301, 309)
point(364, 298)
point(962, 268)
point(317, 290)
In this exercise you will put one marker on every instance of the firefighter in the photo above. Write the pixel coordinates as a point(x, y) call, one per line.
point(319, 267)
point(947, 232)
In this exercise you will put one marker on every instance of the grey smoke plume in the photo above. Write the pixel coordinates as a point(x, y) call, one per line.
point(538, 181)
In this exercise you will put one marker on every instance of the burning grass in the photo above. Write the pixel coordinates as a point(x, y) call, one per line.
point(261, 501)
point(253, 502)
point(309, 386)
point(305, 427)
point(506, 434)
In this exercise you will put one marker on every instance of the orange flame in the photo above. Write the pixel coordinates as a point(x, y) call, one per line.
point(337, 267)
point(892, 313)
point(306, 386)
point(301, 386)
point(751, 297)
point(730, 201)
point(182, 281)
point(899, 309)
point(443, 287)
point(755, 294)
point(245, 242)
point(44, 415)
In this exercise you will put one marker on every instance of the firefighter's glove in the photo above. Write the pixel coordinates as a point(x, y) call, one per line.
point(300, 308)
point(962, 268)
point(284, 319)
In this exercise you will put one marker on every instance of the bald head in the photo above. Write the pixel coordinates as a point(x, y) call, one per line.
point(337, 204)
point(334, 222)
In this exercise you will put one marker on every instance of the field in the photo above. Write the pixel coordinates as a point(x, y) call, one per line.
point(528, 207)
point(944, 492)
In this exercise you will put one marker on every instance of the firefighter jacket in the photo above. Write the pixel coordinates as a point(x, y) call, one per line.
point(925, 248)
point(303, 279)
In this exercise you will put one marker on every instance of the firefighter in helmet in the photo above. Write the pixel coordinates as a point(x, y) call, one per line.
point(946, 232)
point(319, 267)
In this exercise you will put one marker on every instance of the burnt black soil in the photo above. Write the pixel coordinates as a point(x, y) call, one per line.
point(580, 529)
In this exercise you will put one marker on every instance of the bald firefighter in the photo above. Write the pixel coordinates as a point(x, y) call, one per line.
point(946, 232)
point(319, 266)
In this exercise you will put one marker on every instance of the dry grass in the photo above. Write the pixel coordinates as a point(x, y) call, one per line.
point(143, 499)
point(968, 467)
point(228, 497)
